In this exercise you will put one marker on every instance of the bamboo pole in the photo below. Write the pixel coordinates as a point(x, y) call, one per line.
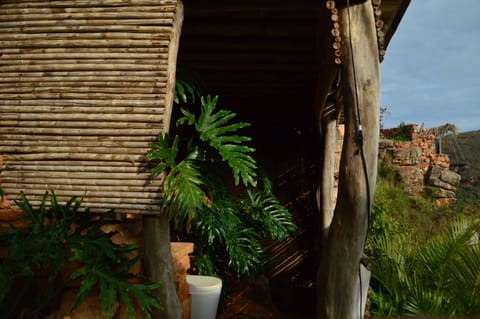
point(91, 13)
point(117, 207)
point(93, 74)
point(86, 43)
point(156, 63)
point(79, 175)
point(107, 50)
point(87, 28)
point(81, 124)
point(79, 85)
point(78, 131)
point(146, 198)
point(79, 150)
point(83, 67)
point(55, 167)
point(109, 200)
point(89, 102)
point(123, 189)
point(57, 181)
point(78, 22)
point(85, 55)
point(75, 88)
point(30, 146)
point(158, 80)
point(51, 11)
point(75, 120)
point(84, 3)
point(81, 109)
point(83, 36)
point(82, 96)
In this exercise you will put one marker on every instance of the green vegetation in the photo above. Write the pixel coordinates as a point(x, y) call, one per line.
point(62, 235)
point(424, 258)
point(465, 149)
point(214, 192)
point(403, 133)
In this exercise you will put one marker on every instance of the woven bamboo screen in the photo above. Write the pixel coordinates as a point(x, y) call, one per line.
point(85, 85)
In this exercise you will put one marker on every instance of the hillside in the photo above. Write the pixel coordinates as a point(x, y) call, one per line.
point(465, 150)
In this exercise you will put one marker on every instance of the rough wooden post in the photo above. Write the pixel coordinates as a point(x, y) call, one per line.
point(339, 273)
point(328, 72)
point(157, 249)
point(159, 265)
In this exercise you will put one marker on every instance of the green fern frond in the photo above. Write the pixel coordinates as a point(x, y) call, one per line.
point(214, 127)
point(164, 151)
point(188, 81)
point(265, 209)
point(183, 193)
point(103, 263)
point(188, 118)
point(106, 265)
point(247, 255)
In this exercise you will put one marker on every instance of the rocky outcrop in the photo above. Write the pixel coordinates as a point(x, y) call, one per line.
point(419, 165)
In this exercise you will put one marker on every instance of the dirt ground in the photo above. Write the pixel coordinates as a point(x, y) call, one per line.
point(261, 299)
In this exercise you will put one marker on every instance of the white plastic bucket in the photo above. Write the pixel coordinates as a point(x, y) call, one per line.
point(205, 292)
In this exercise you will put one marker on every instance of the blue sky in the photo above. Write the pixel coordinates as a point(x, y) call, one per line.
point(431, 70)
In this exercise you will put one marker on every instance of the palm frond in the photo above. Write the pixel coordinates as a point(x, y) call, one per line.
point(183, 192)
point(164, 151)
point(188, 81)
point(247, 255)
point(213, 127)
point(274, 220)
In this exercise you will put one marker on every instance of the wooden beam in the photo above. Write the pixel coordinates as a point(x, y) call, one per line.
point(158, 255)
point(339, 280)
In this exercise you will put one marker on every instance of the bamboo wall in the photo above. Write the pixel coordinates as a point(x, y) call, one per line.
point(85, 85)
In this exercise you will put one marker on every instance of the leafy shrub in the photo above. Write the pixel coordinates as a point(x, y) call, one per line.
point(403, 134)
point(421, 256)
point(61, 235)
point(437, 277)
point(214, 193)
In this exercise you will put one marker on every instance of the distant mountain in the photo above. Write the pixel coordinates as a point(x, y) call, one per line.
point(464, 153)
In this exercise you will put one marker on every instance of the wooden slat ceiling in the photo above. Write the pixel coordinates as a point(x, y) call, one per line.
point(260, 57)
point(83, 90)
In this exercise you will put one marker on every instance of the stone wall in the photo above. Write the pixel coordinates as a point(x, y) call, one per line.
point(419, 165)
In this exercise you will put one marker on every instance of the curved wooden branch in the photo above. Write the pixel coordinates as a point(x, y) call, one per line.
point(338, 276)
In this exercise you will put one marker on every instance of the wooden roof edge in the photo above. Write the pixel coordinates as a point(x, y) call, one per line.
point(402, 8)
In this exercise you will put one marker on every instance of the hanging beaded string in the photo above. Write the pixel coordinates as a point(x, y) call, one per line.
point(337, 44)
point(379, 25)
point(335, 31)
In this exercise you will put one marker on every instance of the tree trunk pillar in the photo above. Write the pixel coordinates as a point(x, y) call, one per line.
point(338, 279)
point(159, 265)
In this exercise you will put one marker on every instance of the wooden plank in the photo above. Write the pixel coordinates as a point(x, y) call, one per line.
point(75, 88)
point(88, 22)
point(86, 102)
point(72, 189)
point(49, 12)
point(85, 3)
point(16, 51)
point(33, 131)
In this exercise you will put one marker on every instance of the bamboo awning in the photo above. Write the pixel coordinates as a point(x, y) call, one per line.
point(85, 85)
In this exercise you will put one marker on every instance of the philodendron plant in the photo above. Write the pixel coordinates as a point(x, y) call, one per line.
point(215, 194)
point(62, 235)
